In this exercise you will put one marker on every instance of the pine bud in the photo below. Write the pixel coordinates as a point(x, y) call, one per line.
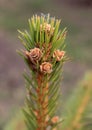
point(46, 27)
point(55, 119)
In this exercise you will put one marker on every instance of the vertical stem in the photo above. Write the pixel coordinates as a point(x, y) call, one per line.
point(42, 92)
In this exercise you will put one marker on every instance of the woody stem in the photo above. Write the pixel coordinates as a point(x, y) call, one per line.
point(42, 92)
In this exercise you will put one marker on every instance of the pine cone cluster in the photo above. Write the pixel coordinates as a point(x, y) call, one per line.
point(40, 57)
point(36, 56)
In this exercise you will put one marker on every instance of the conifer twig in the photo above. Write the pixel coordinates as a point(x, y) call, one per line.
point(44, 55)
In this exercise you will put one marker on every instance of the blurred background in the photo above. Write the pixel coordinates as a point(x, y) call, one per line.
point(76, 15)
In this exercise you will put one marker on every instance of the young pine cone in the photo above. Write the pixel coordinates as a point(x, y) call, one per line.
point(46, 67)
point(34, 55)
point(58, 55)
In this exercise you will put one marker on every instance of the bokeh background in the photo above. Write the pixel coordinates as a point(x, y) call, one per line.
point(76, 15)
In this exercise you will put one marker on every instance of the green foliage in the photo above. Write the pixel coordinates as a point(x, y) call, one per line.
point(78, 108)
point(37, 35)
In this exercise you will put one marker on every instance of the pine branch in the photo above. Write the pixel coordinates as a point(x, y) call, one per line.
point(44, 56)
